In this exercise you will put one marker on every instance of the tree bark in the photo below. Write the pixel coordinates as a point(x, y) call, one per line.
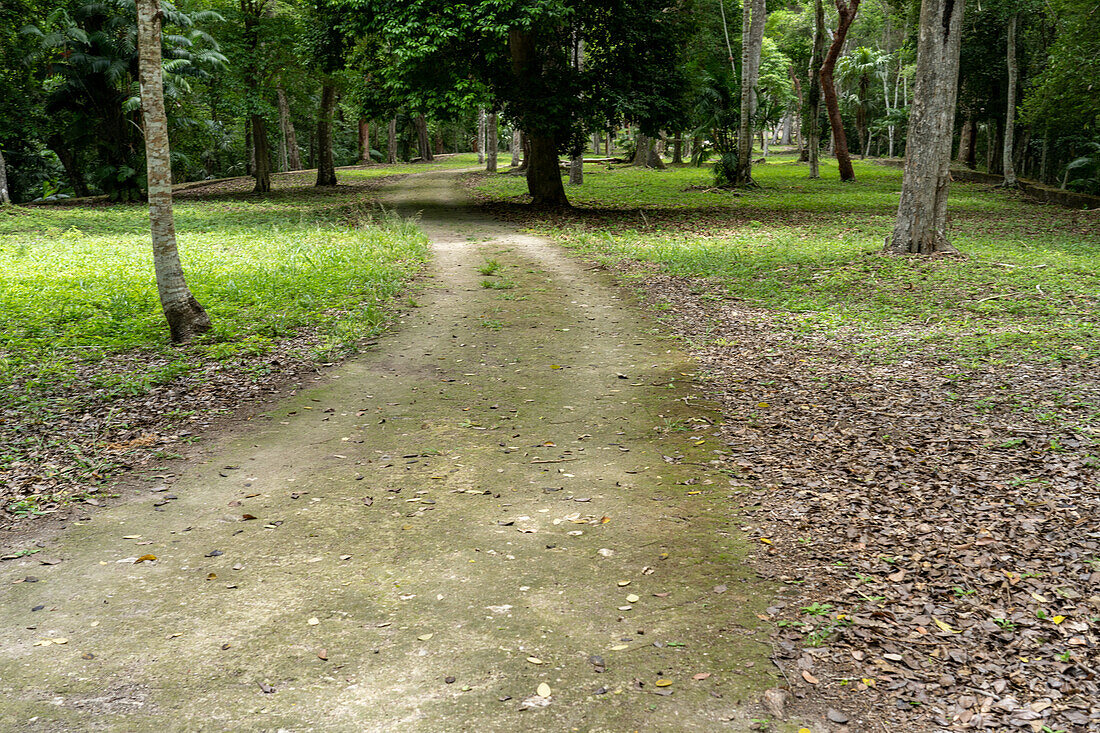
point(479, 144)
point(391, 142)
point(971, 159)
point(645, 153)
point(364, 142)
point(326, 169)
point(492, 143)
point(1010, 116)
point(544, 173)
point(677, 149)
point(813, 96)
point(289, 157)
point(186, 318)
point(576, 161)
point(517, 148)
point(754, 14)
point(921, 226)
point(847, 12)
point(5, 197)
point(423, 141)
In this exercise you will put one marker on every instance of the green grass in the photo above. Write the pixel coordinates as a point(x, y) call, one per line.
point(808, 251)
point(77, 285)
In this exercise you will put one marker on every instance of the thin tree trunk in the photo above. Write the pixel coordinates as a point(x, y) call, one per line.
point(677, 149)
point(480, 142)
point(525, 147)
point(186, 318)
point(921, 226)
point(364, 142)
point(813, 118)
point(964, 135)
point(596, 144)
point(249, 148)
point(517, 148)
point(576, 161)
point(391, 142)
point(5, 197)
point(847, 12)
point(289, 159)
point(1044, 159)
point(261, 152)
point(326, 169)
point(754, 14)
point(424, 143)
point(1010, 116)
point(492, 143)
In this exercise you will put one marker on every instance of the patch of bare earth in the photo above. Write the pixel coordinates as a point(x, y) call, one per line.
point(936, 526)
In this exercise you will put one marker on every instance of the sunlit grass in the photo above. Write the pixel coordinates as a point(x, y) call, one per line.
point(1027, 287)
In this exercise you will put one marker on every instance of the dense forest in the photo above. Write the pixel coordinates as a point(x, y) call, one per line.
point(260, 86)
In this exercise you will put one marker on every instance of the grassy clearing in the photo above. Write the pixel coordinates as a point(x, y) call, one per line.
point(78, 285)
point(1028, 286)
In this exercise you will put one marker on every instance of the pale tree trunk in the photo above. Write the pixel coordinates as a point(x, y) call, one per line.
point(921, 226)
point(289, 157)
point(1010, 116)
point(964, 138)
point(847, 12)
point(576, 162)
point(752, 40)
point(813, 118)
point(364, 142)
point(391, 142)
point(492, 143)
point(596, 143)
point(517, 148)
point(186, 318)
point(326, 169)
point(886, 101)
point(480, 137)
point(5, 197)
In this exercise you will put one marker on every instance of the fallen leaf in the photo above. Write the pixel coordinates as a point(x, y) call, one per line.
point(701, 676)
point(534, 660)
point(632, 598)
point(313, 621)
point(543, 690)
point(425, 637)
point(945, 627)
point(145, 558)
point(663, 683)
point(809, 677)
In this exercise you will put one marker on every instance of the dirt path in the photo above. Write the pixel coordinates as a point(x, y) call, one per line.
point(449, 522)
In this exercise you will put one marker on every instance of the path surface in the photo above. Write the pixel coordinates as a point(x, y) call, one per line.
point(506, 441)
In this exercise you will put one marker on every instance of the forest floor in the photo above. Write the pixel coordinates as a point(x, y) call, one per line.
point(917, 439)
point(504, 515)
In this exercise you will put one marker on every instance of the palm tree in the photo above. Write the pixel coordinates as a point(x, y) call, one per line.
point(860, 66)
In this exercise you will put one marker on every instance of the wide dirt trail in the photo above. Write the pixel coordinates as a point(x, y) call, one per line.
point(505, 492)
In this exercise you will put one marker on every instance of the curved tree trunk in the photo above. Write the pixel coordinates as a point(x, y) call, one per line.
point(1010, 116)
point(921, 226)
point(492, 143)
point(186, 318)
point(391, 142)
point(847, 11)
point(752, 39)
point(326, 169)
point(5, 197)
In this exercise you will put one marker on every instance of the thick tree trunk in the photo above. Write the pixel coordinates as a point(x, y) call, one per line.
point(813, 116)
point(517, 148)
point(391, 142)
point(364, 142)
point(1010, 116)
point(847, 12)
point(921, 226)
point(186, 318)
point(492, 143)
point(645, 153)
point(5, 197)
point(326, 169)
point(544, 173)
point(261, 153)
point(754, 14)
point(424, 143)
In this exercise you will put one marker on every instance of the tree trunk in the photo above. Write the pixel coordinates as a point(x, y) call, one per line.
point(996, 150)
point(391, 142)
point(753, 17)
point(326, 169)
point(261, 153)
point(813, 117)
point(439, 140)
point(964, 136)
point(596, 144)
point(517, 148)
point(364, 142)
point(525, 147)
point(492, 143)
point(186, 318)
point(479, 144)
point(5, 197)
point(645, 153)
point(677, 149)
point(847, 12)
point(971, 159)
point(1010, 116)
point(289, 158)
point(424, 143)
point(921, 226)
point(544, 173)
point(249, 148)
